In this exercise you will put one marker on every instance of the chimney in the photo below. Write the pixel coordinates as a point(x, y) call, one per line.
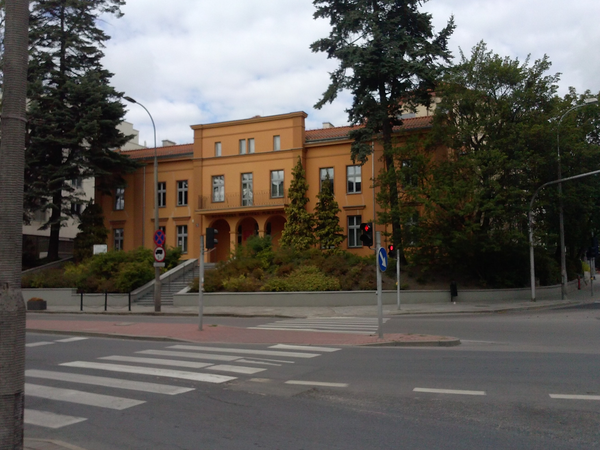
point(167, 143)
point(328, 125)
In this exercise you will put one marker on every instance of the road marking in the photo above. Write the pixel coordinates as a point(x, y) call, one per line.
point(351, 325)
point(205, 377)
point(575, 397)
point(247, 351)
point(235, 369)
point(305, 347)
point(314, 330)
point(73, 339)
point(108, 382)
point(449, 391)
point(160, 362)
point(316, 383)
point(80, 397)
point(259, 362)
point(38, 344)
point(49, 419)
point(190, 355)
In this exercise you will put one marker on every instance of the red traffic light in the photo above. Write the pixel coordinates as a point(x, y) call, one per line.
point(391, 248)
point(367, 227)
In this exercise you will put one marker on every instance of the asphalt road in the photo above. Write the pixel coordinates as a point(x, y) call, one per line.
point(527, 380)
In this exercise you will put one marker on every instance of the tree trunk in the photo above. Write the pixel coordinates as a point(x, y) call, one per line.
point(12, 154)
point(54, 242)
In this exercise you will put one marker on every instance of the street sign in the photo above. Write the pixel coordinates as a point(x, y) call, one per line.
point(382, 259)
point(159, 254)
point(159, 238)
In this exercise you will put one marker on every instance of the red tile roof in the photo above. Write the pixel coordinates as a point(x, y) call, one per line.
point(170, 151)
point(334, 133)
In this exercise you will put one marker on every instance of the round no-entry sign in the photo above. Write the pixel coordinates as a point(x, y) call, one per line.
point(159, 238)
point(159, 254)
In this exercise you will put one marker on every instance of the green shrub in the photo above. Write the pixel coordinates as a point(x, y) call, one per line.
point(306, 278)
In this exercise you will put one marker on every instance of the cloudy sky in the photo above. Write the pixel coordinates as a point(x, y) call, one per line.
point(202, 61)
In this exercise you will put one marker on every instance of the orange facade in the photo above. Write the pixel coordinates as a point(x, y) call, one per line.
point(235, 178)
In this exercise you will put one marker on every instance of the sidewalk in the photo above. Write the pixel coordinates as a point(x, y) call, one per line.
point(213, 333)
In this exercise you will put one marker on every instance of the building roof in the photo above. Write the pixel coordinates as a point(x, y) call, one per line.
point(171, 151)
point(335, 133)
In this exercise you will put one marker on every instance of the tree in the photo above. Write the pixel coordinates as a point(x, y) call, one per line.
point(12, 307)
point(328, 233)
point(73, 111)
point(390, 60)
point(298, 229)
point(495, 116)
point(92, 231)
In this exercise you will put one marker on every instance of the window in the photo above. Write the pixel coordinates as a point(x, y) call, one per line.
point(251, 145)
point(354, 179)
point(217, 149)
point(120, 199)
point(326, 172)
point(246, 189)
point(182, 237)
point(118, 234)
point(182, 193)
point(276, 143)
point(411, 230)
point(242, 146)
point(76, 183)
point(162, 194)
point(163, 229)
point(354, 231)
point(276, 183)
point(409, 174)
point(218, 188)
point(76, 208)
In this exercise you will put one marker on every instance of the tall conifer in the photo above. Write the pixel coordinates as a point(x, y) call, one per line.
point(298, 229)
point(73, 112)
point(328, 232)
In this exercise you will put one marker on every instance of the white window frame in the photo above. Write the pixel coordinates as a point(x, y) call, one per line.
point(251, 146)
point(354, 179)
point(354, 232)
point(218, 188)
point(217, 149)
point(276, 143)
point(182, 193)
point(119, 238)
point(162, 194)
point(242, 146)
point(247, 189)
point(119, 199)
point(323, 172)
point(277, 178)
point(182, 238)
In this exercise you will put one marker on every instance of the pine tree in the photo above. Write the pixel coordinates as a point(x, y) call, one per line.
point(73, 111)
point(390, 60)
point(91, 231)
point(298, 229)
point(328, 232)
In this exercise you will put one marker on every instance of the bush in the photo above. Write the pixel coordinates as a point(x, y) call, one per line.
point(307, 278)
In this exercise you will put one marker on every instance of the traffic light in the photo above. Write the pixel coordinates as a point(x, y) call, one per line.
point(211, 241)
point(366, 234)
point(391, 251)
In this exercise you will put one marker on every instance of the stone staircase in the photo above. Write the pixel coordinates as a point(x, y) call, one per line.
point(170, 287)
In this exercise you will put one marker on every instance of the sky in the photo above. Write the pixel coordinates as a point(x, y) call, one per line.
point(195, 62)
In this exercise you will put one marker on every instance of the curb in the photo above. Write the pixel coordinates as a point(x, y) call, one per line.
point(451, 342)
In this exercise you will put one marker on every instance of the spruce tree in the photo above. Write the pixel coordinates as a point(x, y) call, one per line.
point(328, 232)
point(92, 231)
point(73, 112)
point(298, 229)
point(390, 60)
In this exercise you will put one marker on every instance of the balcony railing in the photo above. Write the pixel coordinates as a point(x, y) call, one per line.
point(256, 199)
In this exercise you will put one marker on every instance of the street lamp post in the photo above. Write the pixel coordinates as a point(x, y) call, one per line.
point(563, 260)
point(157, 283)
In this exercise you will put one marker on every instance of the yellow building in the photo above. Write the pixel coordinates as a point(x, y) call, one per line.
point(235, 178)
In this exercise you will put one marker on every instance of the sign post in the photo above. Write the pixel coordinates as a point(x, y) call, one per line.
point(382, 263)
point(200, 284)
point(398, 275)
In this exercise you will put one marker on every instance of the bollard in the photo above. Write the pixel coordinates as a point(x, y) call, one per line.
point(81, 307)
point(453, 290)
point(130, 302)
point(105, 300)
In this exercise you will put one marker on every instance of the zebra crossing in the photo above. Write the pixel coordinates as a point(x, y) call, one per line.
point(352, 325)
point(181, 362)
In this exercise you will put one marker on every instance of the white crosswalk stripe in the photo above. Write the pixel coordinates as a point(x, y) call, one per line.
point(80, 397)
point(49, 419)
point(238, 361)
point(116, 383)
point(352, 325)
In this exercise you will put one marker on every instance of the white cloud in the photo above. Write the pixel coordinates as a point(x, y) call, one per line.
point(200, 61)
